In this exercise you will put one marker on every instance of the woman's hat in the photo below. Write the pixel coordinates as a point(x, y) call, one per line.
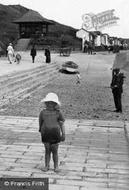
point(51, 97)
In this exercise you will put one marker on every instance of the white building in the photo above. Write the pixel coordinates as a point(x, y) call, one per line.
point(84, 35)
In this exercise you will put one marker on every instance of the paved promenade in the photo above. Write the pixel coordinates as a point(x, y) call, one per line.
point(94, 156)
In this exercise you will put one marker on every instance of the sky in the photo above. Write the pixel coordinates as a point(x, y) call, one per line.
point(69, 12)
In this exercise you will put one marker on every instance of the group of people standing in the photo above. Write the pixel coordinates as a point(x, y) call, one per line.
point(33, 52)
point(88, 48)
point(47, 54)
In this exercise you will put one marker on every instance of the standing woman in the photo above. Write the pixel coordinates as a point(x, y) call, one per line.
point(48, 55)
point(33, 53)
point(10, 53)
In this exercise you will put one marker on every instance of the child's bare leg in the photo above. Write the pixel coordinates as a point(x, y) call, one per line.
point(47, 156)
point(54, 149)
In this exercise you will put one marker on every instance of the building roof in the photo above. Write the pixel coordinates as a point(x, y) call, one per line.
point(32, 16)
point(95, 33)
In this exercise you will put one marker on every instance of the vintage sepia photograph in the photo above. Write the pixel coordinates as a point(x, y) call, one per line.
point(64, 94)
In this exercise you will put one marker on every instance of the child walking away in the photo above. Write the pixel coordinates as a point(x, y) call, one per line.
point(78, 78)
point(51, 127)
point(18, 58)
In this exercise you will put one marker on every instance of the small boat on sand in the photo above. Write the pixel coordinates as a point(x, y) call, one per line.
point(70, 66)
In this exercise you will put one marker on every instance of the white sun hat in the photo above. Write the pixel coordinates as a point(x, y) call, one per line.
point(51, 97)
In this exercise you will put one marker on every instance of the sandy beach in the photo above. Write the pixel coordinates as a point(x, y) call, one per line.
point(91, 99)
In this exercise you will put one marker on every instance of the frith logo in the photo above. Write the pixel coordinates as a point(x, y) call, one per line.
point(99, 21)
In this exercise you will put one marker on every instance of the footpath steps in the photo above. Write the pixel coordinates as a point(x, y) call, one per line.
point(94, 156)
point(22, 44)
point(18, 85)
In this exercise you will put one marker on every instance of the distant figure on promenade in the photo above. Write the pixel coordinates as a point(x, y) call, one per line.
point(116, 49)
point(10, 53)
point(85, 48)
point(48, 55)
point(110, 48)
point(18, 58)
point(117, 88)
point(90, 48)
point(51, 127)
point(33, 53)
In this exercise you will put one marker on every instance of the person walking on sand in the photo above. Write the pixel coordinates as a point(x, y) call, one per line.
point(48, 55)
point(117, 88)
point(78, 81)
point(51, 127)
point(10, 53)
point(33, 53)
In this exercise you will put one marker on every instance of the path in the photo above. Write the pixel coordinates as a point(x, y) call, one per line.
point(94, 155)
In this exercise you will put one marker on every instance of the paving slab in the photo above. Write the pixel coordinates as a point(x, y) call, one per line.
point(95, 154)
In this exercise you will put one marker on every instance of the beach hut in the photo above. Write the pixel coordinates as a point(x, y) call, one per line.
point(104, 39)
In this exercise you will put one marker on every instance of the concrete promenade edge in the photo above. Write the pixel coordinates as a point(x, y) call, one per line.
point(94, 156)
